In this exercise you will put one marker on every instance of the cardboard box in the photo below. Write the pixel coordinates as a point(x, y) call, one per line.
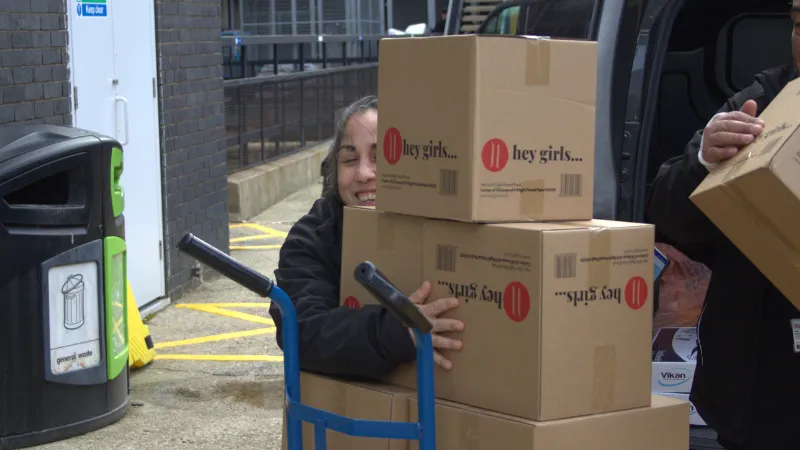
point(662, 426)
point(694, 416)
point(558, 315)
point(391, 241)
point(674, 360)
point(487, 128)
point(368, 401)
point(754, 197)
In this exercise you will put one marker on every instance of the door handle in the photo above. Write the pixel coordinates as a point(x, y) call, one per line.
point(124, 101)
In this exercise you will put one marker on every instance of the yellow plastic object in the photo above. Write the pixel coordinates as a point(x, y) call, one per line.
point(142, 350)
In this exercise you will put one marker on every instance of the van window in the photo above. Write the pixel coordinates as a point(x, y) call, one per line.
point(566, 19)
point(505, 22)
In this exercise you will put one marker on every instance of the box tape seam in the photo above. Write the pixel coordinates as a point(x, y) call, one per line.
point(537, 63)
point(385, 232)
point(531, 199)
point(603, 383)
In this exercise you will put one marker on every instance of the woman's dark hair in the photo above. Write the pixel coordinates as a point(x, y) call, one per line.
point(330, 184)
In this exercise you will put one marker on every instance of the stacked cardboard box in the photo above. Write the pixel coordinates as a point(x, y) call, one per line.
point(557, 316)
point(458, 427)
point(485, 189)
point(674, 361)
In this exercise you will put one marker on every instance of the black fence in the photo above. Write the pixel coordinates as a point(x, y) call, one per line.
point(269, 117)
point(251, 56)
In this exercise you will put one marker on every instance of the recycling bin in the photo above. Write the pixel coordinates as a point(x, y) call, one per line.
point(63, 319)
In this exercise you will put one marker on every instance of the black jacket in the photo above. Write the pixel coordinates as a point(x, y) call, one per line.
point(747, 381)
point(365, 343)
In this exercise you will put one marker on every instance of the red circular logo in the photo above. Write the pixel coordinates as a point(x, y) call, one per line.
point(516, 301)
point(351, 302)
point(494, 155)
point(636, 293)
point(392, 146)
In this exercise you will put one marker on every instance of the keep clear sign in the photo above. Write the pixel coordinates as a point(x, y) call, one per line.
point(74, 318)
point(92, 8)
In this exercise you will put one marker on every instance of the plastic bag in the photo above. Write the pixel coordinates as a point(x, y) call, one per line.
point(682, 290)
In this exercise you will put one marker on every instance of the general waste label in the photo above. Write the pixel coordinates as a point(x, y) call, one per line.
point(94, 8)
point(74, 323)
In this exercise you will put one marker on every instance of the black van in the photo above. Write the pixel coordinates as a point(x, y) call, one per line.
point(664, 68)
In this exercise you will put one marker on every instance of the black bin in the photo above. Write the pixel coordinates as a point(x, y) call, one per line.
point(63, 309)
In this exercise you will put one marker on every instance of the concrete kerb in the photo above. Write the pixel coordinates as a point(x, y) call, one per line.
point(252, 191)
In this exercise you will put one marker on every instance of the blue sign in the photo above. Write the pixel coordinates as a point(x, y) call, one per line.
point(92, 9)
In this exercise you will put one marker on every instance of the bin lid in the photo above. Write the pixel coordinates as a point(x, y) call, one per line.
point(16, 140)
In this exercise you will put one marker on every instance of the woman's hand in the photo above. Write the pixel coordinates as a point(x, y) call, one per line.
point(432, 311)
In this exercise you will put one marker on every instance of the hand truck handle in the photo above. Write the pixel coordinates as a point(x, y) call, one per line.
point(391, 298)
point(387, 294)
point(226, 265)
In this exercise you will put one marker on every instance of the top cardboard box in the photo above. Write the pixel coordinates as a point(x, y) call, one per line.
point(754, 197)
point(487, 128)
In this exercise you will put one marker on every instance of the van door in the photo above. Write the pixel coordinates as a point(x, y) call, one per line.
point(614, 24)
point(642, 97)
point(505, 20)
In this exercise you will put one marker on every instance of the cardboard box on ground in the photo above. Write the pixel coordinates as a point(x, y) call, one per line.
point(754, 197)
point(487, 128)
point(558, 315)
point(365, 401)
point(661, 426)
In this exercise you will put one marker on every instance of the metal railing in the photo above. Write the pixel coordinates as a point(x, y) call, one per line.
point(251, 56)
point(269, 117)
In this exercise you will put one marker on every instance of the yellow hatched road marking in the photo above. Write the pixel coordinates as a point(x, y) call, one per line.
point(217, 308)
point(265, 230)
point(252, 238)
point(180, 357)
point(254, 247)
point(228, 313)
point(215, 337)
point(237, 305)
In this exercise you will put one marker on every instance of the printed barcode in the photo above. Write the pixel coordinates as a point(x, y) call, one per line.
point(446, 258)
point(448, 182)
point(571, 185)
point(567, 265)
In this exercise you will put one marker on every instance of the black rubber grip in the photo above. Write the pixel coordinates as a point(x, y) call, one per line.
point(389, 296)
point(224, 264)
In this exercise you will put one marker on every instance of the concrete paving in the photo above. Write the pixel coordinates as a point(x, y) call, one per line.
point(192, 403)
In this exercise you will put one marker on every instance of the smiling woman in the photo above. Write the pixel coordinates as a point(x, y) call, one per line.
point(345, 149)
point(354, 156)
point(368, 342)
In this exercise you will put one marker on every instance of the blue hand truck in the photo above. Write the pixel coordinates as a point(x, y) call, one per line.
point(390, 297)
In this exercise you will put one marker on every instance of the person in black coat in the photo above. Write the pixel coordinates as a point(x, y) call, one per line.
point(366, 343)
point(747, 380)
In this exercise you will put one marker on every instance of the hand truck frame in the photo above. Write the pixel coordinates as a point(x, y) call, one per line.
point(390, 297)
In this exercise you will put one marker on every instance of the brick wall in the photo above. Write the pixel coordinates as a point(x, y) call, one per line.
point(34, 80)
point(192, 118)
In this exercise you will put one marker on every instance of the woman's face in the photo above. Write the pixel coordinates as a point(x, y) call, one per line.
point(356, 164)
